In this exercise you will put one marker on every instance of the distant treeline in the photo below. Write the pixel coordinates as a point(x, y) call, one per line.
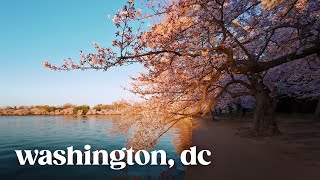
point(116, 108)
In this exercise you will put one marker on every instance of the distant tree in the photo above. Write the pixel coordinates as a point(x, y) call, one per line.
point(22, 107)
point(98, 107)
point(284, 81)
point(84, 108)
point(67, 105)
point(47, 108)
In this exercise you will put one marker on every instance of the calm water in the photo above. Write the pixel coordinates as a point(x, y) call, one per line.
point(54, 133)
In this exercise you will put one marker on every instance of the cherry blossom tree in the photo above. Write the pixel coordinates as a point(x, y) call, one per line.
point(298, 79)
point(201, 53)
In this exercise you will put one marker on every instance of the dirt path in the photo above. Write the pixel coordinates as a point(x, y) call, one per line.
point(235, 157)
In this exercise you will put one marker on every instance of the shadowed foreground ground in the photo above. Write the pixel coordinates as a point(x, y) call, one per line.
point(294, 155)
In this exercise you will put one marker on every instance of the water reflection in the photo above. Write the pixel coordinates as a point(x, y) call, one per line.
point(182, 135)
point(101, 132)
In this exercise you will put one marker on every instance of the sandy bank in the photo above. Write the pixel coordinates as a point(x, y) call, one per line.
point(285, 157)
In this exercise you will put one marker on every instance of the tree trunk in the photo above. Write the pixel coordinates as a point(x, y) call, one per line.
point(240, 111)
point(212, 115)
point(230, 112)
point(317, 112)
point(264, 122)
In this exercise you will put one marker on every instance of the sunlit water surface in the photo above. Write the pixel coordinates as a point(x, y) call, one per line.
point(52, 133)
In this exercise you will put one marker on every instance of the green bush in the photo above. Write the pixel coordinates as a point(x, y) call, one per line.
point(99, 107)
point(47, 108)
point(84, 108)
point(66, 106)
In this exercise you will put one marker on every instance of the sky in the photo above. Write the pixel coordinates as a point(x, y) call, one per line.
point(34, 31)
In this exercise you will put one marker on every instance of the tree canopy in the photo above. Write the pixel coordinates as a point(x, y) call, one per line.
point(204, 53)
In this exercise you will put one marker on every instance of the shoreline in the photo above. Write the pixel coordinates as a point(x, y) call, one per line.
point(63, 112)
point(236, 157)
point(86, 115)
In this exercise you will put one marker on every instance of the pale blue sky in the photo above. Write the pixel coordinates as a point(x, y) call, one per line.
point(35, 30)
